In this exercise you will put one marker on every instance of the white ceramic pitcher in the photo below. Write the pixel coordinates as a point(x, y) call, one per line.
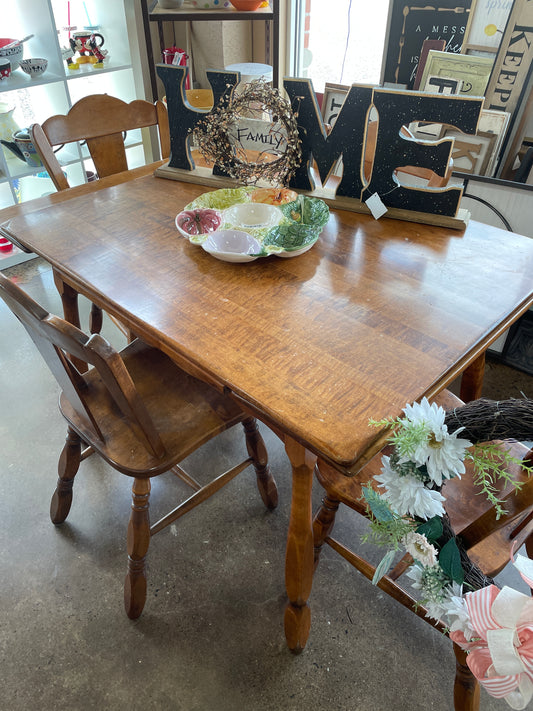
point(8, 125)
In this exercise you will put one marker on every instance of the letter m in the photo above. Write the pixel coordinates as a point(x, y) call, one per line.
point(346, 138)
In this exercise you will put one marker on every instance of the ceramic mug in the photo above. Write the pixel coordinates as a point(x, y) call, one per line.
point(5, 68)
point(81, 41)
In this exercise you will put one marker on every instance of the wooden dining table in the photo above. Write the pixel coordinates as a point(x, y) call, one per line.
point(378, 314)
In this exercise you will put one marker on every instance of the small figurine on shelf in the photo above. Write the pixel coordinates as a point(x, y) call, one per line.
point(95, 49)
point(87, 46)
point(67, 54)
point(177, 56)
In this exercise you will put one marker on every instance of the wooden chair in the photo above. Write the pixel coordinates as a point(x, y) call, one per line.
point(99, 120)
point(486, 539)
point(143, 415)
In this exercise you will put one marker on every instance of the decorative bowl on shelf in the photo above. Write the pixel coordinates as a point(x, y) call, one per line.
point(34, 67)
point(249, 5)
point(13, 53)
point(234, 226)
point(211, 4)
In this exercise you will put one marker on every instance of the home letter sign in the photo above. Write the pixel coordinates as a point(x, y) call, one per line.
point(375, 153)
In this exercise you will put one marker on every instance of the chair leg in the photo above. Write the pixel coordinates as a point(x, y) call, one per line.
point(138, 542)
point(323, 523)
point(95, 319)
point(257, 451)
point(466, 687)
point(69, 462)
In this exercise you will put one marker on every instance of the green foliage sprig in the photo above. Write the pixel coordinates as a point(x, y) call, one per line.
point(491, 465)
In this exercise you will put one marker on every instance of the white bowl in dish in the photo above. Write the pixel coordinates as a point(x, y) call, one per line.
point(253, 214)
point(232, 246)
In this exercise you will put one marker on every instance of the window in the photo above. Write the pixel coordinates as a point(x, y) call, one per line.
point(339, 41)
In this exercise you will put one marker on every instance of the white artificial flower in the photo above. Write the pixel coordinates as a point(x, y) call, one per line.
point(422, 413)
point(448, 605)
point(407, 494)
point(442, 453)
point(415, 573)
point(420, 548)
point(457, 612)
point(435, 609)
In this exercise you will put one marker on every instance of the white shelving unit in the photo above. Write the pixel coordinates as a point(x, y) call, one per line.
point(55, 91)
point(153, 12)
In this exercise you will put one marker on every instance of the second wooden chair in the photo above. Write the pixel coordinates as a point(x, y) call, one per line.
point(100, 121)
point(143, 415)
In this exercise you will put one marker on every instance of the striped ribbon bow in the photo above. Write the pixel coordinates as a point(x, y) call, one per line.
point(501, 653)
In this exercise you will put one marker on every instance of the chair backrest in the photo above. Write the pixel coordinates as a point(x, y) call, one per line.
point(100, 120)
point(56, 339)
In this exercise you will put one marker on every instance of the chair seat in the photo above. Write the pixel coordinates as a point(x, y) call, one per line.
point(185, 411)
point(466, 506)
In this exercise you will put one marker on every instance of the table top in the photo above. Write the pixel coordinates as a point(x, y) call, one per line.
point(375, 315)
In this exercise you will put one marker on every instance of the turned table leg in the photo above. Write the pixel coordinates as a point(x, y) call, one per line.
point(299, 561)
point(472, 380)
point(71, 313)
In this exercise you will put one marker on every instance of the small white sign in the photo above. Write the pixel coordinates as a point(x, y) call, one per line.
point(256, 135)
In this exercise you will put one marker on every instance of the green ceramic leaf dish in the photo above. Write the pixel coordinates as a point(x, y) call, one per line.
point(284, 230)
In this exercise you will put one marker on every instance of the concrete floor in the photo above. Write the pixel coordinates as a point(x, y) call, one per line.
point(211, 636)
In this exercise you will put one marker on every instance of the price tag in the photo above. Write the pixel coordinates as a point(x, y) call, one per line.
point(376, 207)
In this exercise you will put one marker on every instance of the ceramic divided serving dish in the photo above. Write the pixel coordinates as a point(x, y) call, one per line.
point(243, 224)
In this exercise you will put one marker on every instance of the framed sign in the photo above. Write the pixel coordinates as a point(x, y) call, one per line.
point(426, 46)
point(332, 101)
point(471, 154)
point(479, 151)
point(409, 24)
point(495, 122)
point(486, 26)
point(473, 71)
point(514, 61)
point(443, 85)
